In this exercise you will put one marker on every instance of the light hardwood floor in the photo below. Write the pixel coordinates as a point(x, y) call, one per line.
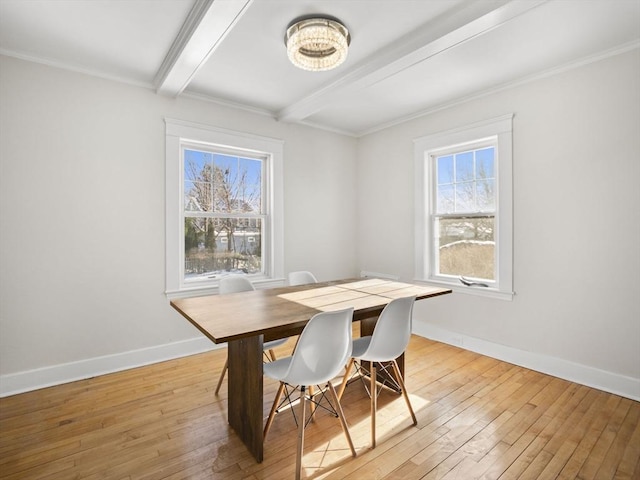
point(477, 418)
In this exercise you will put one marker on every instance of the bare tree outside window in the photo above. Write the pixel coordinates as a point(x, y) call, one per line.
point(223, 214)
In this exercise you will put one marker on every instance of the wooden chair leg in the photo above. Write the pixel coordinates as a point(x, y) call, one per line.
point(272, 354)
point(343, 420)
point(300, 449)
point(224, 370)
point(343, 385)
point(312, 404)
point(374, 404)
point(274, 407)
point(396, 370)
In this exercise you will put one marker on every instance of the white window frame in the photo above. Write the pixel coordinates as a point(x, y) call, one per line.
point(427, 147)
point(179, 133)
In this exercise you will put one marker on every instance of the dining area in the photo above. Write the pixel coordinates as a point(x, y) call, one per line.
point(326, 358)
point(477, 417)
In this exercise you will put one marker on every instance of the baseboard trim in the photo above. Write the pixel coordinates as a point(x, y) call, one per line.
point(624, 386)
point(29, 380)
point(387, 276)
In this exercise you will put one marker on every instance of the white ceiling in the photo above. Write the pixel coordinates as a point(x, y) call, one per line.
point(407, 57)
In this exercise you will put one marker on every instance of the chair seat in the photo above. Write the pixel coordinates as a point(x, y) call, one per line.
point(361, 351)
point(277, 369)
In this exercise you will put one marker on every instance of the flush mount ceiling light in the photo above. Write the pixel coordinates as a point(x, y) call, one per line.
point(317, 43)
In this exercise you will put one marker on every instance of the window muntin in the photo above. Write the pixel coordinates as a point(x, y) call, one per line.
point(464, 201)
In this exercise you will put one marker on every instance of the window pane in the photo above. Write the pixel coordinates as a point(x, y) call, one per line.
point(197, 181)
point(466, 182)
point(466, 247)
point(484, 163)
point(237, 184)
point(464, 167)
point(215, 246)
point(485, 195)
point(465, 197)
point(444, 166)
point(446, 199)
point(485, 180)
point(251, 183)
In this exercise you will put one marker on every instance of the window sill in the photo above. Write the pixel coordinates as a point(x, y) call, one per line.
point(477, 291)
point(212, 289)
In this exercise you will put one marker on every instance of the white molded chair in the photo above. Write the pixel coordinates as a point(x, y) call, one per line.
point(235, 284)
point(301, 278)
point(389, 340)
point(323, 348)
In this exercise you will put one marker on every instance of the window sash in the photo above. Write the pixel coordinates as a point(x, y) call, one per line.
point(484, 271)
point(213, 251)
point(473, 183)
point(465, 266)
point(212, 258)
point(239, 155)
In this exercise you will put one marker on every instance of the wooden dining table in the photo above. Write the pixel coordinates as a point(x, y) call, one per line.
point(248, 319)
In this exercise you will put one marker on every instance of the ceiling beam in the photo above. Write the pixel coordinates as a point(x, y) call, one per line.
point(206, 26)
point(420, 45)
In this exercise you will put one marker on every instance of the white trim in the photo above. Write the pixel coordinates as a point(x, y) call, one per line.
point(15, 383)
point(603, 55)
point(478, 291)
point(178, 131)
point(76, 69)
point(502, 128)
point(35, 379)
point(617, 384)
point(213, 289)
point(227, 103)
point(388, 276)
point(612, 52)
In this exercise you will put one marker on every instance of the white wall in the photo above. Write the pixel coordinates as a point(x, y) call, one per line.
point(576, 312)
point(82, 220)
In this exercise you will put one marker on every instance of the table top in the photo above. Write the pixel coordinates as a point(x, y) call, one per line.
point(282, 312)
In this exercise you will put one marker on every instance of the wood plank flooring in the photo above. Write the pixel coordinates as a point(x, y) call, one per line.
point(478, 418)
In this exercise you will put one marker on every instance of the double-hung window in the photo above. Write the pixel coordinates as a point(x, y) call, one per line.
point(224, 207)
point(223, 211)
point(464, 208)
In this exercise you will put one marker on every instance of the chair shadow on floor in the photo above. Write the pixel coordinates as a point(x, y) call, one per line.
point(326, 449)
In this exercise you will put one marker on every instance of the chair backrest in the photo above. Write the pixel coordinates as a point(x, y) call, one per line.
point(392, 331)
point(301, 278)
point(234, 284)
point(323, 349)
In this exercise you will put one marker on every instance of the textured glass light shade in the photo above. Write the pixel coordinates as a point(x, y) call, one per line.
point(317, 44)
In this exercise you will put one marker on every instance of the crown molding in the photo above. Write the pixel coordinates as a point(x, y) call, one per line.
point(74, 68)
point(612, 52)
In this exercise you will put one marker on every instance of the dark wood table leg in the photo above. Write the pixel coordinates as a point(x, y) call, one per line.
point(245, 402)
